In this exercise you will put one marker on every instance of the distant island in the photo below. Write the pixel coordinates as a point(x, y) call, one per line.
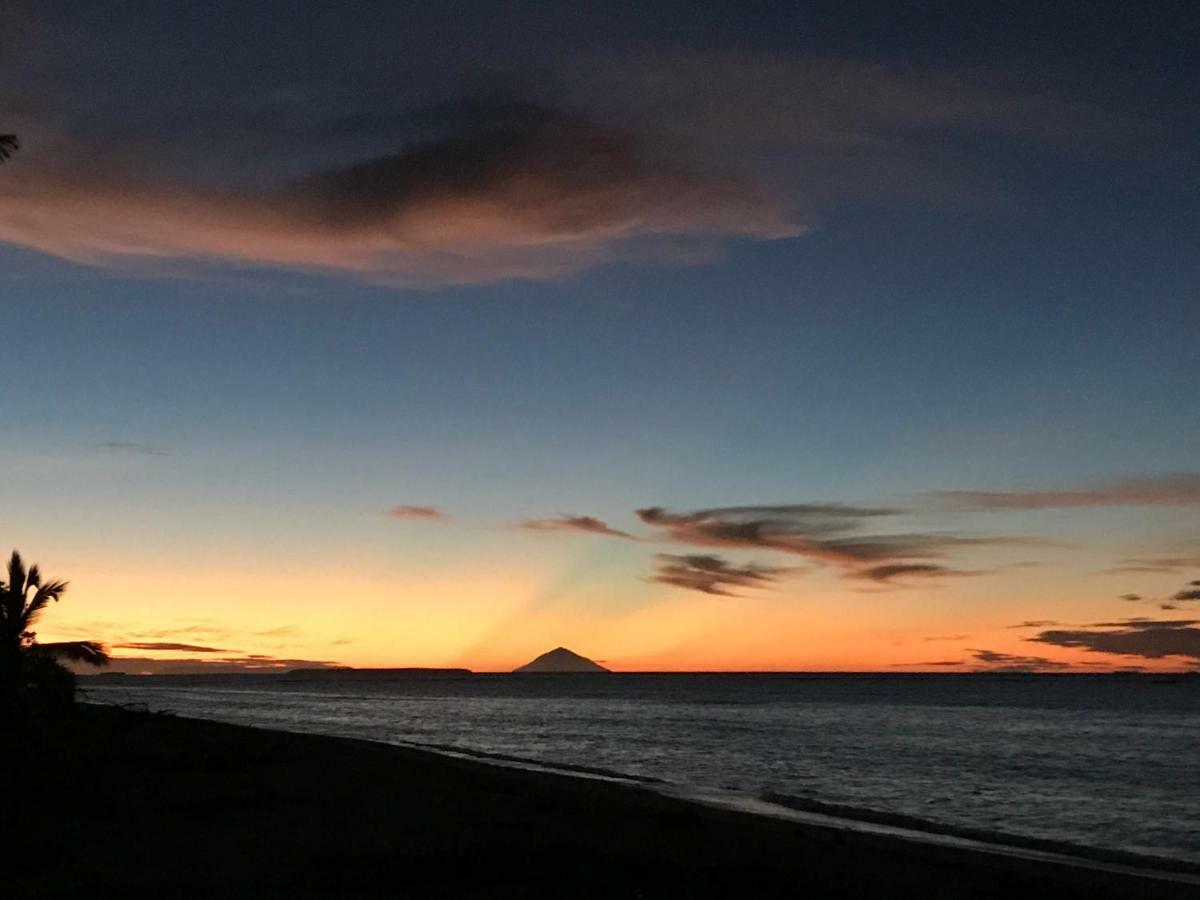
point(321, 672)
point(560, 659)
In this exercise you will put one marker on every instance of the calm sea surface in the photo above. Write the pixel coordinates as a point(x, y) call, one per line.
point(1100, 761)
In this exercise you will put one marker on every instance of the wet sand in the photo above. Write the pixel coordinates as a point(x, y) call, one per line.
point(121, 804)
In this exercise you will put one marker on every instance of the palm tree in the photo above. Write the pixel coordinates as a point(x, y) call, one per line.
point(8, 146)
point(24, 663)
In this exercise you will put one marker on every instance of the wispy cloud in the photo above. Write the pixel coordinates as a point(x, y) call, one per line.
point(416, 512)
point(1174, 489)
point(710, 574)
point(821, 532)
point(1034, 623)
point(166, 645)
point(889, 573)
point(281, 631)
point(853, 128)
point(586, 524)
point(1154, 565)
point(803, 529)
point(133, 448)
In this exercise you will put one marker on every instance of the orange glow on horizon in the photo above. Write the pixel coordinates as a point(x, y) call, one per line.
point(491, 624)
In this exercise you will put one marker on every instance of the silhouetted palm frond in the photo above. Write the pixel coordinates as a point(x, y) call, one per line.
point(8, 146)
point(45, 593)
point(91, 652)
point(19, 610)
point(16, 573)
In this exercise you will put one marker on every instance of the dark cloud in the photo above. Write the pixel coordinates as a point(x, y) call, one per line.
point(586, 524)
point(711, 574)
point(822, 532)
point(995, 661)
point(132, 448)
point(1131, 637)
point(163, 645)
point(1142, 622)
point(1189, 594)
point(1131, 598)
point(1175, 489)
point(803, 529)
point(416, 512)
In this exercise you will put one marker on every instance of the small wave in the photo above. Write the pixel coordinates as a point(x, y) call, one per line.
point(919, 827)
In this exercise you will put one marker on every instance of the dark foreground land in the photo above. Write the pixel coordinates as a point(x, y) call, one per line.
point(110, 803)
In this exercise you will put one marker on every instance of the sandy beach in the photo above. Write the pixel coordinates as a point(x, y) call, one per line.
point(124, 804)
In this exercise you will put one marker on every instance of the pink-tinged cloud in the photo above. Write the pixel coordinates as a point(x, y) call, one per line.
point(585, 524)
point(416, 512)
point(530, 194)
point(1177, 489)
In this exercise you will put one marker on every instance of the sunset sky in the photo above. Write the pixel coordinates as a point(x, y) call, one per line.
point(684, 337)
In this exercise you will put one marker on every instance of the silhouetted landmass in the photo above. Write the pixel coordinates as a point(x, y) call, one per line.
point(149, 805)
point(560, 659)
point(338, 672)
point(325, 673)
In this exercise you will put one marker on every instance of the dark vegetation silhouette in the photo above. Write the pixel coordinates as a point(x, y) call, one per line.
point(33, 673)
point(8, 146)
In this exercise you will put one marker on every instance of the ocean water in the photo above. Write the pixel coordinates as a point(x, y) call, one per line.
point(1095, 761)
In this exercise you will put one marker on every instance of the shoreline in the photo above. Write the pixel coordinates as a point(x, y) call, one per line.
point(841, 817)
point(129, 804)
